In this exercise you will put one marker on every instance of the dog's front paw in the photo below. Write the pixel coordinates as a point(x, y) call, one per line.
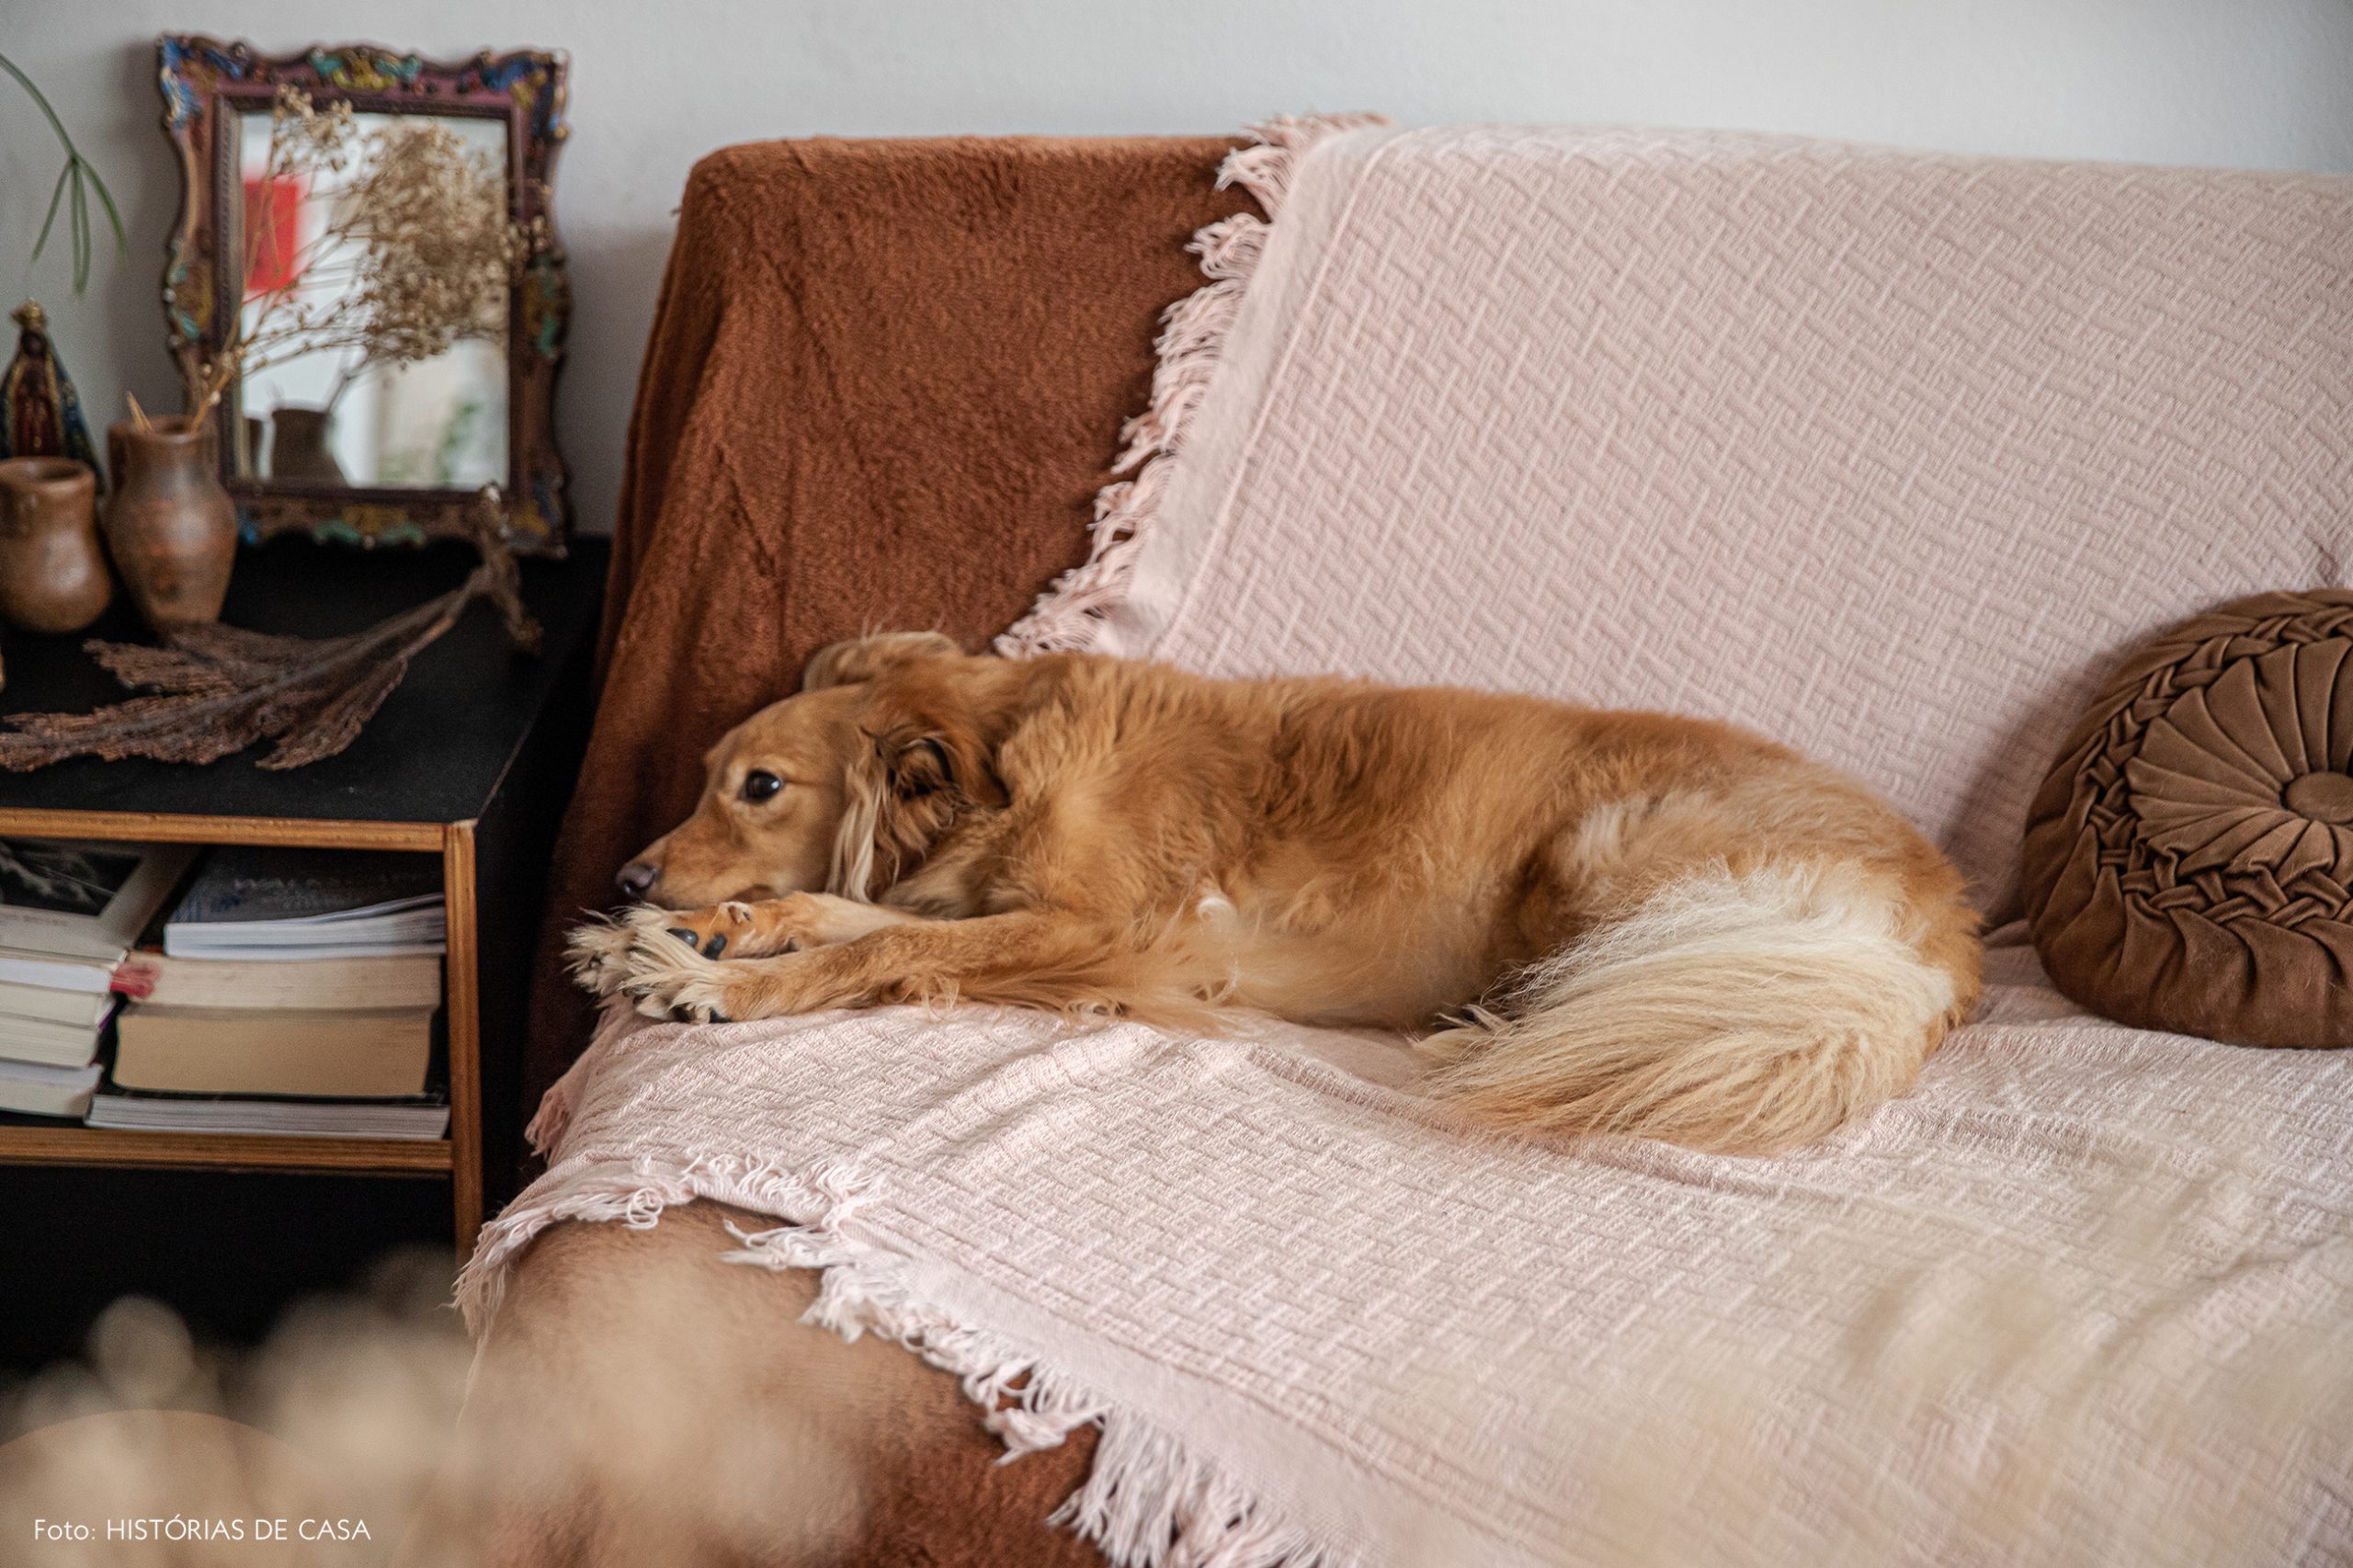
point(735, 929)
point(597, 953)
point(686, 999)
point(669, 978)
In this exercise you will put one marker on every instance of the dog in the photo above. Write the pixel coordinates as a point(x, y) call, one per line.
point(1608, 923)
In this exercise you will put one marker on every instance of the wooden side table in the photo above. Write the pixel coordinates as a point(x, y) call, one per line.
point(472, 760)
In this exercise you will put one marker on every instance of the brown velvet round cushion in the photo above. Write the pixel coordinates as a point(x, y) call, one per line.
point(2190, 861)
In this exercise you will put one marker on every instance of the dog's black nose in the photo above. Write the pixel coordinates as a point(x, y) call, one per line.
point(637, 879)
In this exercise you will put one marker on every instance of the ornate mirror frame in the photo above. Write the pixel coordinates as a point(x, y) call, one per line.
point(205, 82)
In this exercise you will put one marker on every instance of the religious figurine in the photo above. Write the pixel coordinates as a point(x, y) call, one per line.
point(39, 415)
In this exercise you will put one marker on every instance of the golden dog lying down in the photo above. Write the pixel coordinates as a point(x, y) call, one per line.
point(1627, 923)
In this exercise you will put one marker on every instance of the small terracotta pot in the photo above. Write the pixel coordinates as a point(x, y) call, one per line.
point(171, 527)
point(52, 573)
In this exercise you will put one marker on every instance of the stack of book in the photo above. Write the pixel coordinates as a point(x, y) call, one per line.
point(292, 991)
point(69, 912)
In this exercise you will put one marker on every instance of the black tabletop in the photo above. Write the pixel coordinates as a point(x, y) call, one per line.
point(435, 752)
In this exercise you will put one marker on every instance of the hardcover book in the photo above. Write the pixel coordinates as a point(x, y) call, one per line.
point(231, 1051)
point(425, 1117)
point(30, 1089)
point(53, 1042)
point(263, 983)
point(44, 1004)
point(263, 901)
point(64, 902)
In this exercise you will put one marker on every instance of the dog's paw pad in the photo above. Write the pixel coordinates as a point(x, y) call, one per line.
point(716, 946)
point(683, 935)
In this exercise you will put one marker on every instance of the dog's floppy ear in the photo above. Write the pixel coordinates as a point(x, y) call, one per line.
point(863, 658)
point(943, 762)
point(904, 792)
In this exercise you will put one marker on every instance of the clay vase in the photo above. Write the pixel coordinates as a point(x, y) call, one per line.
point(299, 448)
point(170, 526)
point(52, 573)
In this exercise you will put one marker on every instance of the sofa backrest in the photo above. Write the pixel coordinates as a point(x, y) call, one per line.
point(1888, 455)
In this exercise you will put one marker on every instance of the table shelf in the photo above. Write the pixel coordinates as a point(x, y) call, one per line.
point(69, 1144)
point(470, 760)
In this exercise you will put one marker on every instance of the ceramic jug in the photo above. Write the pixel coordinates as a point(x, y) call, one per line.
point(52, 573)
point(302, 446)
point(170, 526)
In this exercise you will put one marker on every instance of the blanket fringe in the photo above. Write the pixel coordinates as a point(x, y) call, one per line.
point(1147, 1501)
point(548, 1122)
point(635, 1192)
point(1193, 336)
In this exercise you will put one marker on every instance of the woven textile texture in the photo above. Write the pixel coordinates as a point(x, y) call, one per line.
point(1888, 455)
point(2086, 1297)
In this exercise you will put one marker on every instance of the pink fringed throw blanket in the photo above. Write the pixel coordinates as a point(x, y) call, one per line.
point(1883, 453)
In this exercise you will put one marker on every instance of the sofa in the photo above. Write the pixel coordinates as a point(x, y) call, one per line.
point(883, 387)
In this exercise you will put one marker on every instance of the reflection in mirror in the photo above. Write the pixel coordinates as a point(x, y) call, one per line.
point(375, 255)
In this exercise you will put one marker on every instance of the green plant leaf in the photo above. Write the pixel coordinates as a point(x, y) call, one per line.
point(38, 98)
point(77, 168)
point(78, 229)
point(114, 219)
point(55, 197)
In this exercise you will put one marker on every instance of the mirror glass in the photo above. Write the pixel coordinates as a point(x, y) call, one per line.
point(338, 396)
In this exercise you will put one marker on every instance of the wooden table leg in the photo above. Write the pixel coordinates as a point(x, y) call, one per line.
point(461, 999)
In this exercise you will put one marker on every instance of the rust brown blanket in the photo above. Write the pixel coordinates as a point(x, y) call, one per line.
point(885, 382)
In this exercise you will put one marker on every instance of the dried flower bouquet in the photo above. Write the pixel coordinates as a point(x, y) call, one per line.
point(416, 251)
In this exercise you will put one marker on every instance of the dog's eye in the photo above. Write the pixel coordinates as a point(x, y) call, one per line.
point(761, 785)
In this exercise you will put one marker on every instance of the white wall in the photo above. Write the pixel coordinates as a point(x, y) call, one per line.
point(657, 83)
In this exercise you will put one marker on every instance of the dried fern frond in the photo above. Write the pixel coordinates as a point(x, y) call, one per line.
point(219, 689)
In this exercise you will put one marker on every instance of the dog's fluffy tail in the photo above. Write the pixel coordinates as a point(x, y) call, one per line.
point(1739, 1013)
